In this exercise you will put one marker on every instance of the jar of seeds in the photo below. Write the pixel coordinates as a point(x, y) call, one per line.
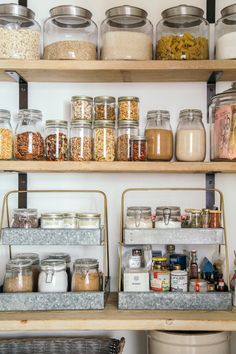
point(104, 141)
point(82, 108)
point(56, 140)
point(81, 141)
point(105, 108)
point(128, 108)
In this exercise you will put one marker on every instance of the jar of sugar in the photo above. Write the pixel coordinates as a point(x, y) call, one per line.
point(225, 30)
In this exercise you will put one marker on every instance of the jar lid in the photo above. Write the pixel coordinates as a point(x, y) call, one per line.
point(193, 211)
point(172, 210)
point(82, 98)
point(229, 10)
point(142, 209)
point(190, 114)
point(104, 99)
point(60, 123)
point(127, 123)
point(5, 114)
point(53, 264)
point(70, 215)
point(138, 138)
point(104, 123)
point(81, 124)
point(52, 215)
point(128, 98)
point(215, 211)
point(182, 10)
point(88, 215)
point(88, 263)
point(30, 114)
point(170, 248)
point(227, 94)
point(126, 10)
point(33, 257)
point(25, 212)
point(17, 11)
point(177, 269)
point(70, 16)
point(159, 259)
point(158, 114)
point(59, 255)
point(19, 264)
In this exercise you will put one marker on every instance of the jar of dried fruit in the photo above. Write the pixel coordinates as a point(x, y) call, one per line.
point(81, 141)
point(28, 140)
point(86, 275)
point(126, 129)
point(5, 135)
point(128, 108)
point(105, 108)
point(56, 140)
point(183, 33)
point(138, 148)
point(104, 140)
point(82, 108)
point(19, 276)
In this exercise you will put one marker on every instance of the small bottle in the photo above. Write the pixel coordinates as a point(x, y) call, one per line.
point(221, 284)
point(170, 249)
point(193, 265)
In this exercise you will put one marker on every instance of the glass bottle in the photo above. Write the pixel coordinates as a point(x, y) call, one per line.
point(19, 276)
point(104, 148)
point(53, 277)
point(86, 275)
point(56, 140)
point(81, 141)
point(126, 130)
point(193, 265)
point(170, 250)
point(6, 137)
point(190, 136)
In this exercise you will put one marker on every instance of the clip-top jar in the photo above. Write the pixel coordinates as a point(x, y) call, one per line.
point(126, 33)
point(225, 32)
point(86, 275)
point(19, 277)
point(168, 217)
point(182, 33)
point(81, 140)
point(70, 33)
point(56, 140)
point(139, 218)
point(67, 259)
point(34, 258)
point(5, 135)
point(53, 277)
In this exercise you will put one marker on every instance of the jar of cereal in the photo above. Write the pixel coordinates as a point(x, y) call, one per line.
point(105, 108)
point(128, 108)
point(81, 141)
point(82, 108)
point(126, 130)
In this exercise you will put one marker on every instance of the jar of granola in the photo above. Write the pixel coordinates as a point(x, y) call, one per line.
point(128, 108)
point(5, 135)
point(19, 276)
point(56, 140)
point(126, 129)
point(86, 275)
point(105, 108)
point(81, 141)
point(104, 141)
point(82, 108)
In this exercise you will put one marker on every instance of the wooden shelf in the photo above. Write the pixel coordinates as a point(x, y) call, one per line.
point(118, 71)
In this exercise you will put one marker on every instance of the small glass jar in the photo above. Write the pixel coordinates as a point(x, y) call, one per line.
point(53, 277)
point(126, 130)
point(81, 141)
point(205, 218)
point(225, 33)
point(82, 108)
point(70, 33)
point(67, 259)
point(28, 140)
point(139, 218)
point(19, 276)
point(128, 108)
point(215, 219)
point(56, 140)
point(138, 148)
point(104, 148)
point(105, 108)
point(85, 275)
point(25, 218)
point(6, 136)
point(159, 136)
point(34, 258)
point(88, 221)
point(126, 34)
point(70, 221)
point(183, 33)
point(168, 217)
point(19, 33)
point(52, 221)
point(196, 218)
point(190, 136)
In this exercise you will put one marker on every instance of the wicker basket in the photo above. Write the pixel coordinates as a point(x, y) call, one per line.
point(62, 345)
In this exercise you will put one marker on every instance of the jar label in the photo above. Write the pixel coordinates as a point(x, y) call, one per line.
point(179, 283)
point(160, 281)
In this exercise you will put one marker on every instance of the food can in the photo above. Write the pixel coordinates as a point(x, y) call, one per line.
point(179, 281)
point(160, 280)
point(198, 286)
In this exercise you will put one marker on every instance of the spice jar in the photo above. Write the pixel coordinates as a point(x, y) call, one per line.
point(196, 218)
point(104, 148)
point(168, 217)
point(128, 108)
point(81, 141)
point(18, 278)
point(225, 33)
point(67, 259)
point(52, 221)
point(25, 218)
point(105, 108)
point(88, 221)
point(34, 258)
point(182, 33)
point(70, 221)
point(82, 108)
point(28, 140)
point(5, 135)
point(138, 217)
point(126, 33)
point(86, 275)
point(19, 33)
point(215, 219)
point(190, 136)
point(159, 136)
point(56, 140)
point(205, 218)
point(70, 33)
point(53, 277)
point(159, 275)
point(138, 148)
point(126, 130)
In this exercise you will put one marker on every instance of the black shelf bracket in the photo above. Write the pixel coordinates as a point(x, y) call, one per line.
point(22, 3)
point(211, 11)
point(210, 195)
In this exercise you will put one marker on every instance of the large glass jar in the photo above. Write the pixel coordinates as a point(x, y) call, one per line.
point(104, 148)
point(168, 217)
point(105, 108)
point(53, 277)
point(126, 33)
point(34, 258)
point(19, 33)
point(86, 275)
point(223, 126)
point(126, 129)
point(19, 277)
point(70, 33)
point(56, 140)
point(182, 33)
point(67, 259)
point(159, 136)
point(5, 135)
point(81, 141)
point(139, 218)
point(25, 218)
point(28, 141)
point(190, 136)
point(225, 33)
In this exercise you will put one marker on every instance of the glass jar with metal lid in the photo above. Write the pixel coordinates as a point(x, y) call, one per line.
point(126, 33)
point(104, 144)
point(56, 140)
point(82, 108)
point(159, 136)
point(6, 136)
point(24, 218)
point(88, 220)
point(225, 33)
point(28, 140)
point(183, 33)
point(53, 277)
point(67, 259)
point(85, 275)
point(34, 258)
point(168, 217)
point(19, 33)
point(81, 140)
point(70, 221)
point(138, 148)
point(128, 108)
point(126, 130)
point(139, 217)
point(70, 33)
point(105, 108)
point(195, 217)
point(19, 277)
point(52, 221)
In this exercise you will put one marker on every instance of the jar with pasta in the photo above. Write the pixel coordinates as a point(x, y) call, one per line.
point(56, 140)
point(183, 33)
point(105, 108)
point(104, 141)
point(82, 108)
point(128, 108)
point(81, 141)
point(126, 130)
point(85, 275)
point(5, 135)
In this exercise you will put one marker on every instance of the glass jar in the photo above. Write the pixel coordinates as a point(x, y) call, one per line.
point(196, 218)
point(190, 136)
point(28, 140)
point(85, 275)
point(159, 136)
point(67, 259)
point(168, 217)
point(183, 33)
point(215, 219)
point(56, 140)
point(126, 33)
point(25, 218)
point(225, 33)
point(88, 221)
point(128, 108)
point(19, 277)
point(138, 148)
point(105, 108)
point(205, 218)
point(70, 221)
point(52, 221)
point(81, 141)
point(139, 218)
point(34, 258)
point(82, 108)
point(104, 148)
point(5, 135)
point(19, 33)
point(160, 275)
point(126, 130)
point(53, 277)
point(70, 33)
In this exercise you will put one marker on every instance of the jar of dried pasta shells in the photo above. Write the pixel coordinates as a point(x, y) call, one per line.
point(86, 275)
point(104, 140)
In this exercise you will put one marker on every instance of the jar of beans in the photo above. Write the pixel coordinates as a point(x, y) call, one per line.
point(126, 129)
point(56, 140)
point(128, 108)
point(28, 140)
point(104, 141)
point(138, 148)
point(82, 108)
point(5, 135)
point(105, 108)
point(81, 141)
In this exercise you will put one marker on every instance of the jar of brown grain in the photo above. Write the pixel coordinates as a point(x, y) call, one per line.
point(86, 275)
point(19, 276)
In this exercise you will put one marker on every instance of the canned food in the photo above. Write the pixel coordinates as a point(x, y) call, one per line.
point(179, 281)
point(160, 280)
point(198, 286)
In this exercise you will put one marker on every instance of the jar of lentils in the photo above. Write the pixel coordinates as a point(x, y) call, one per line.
point(5, 135)
point(126, 130)
point(81, 141)
point(104, 141)
point(105, 108)
point(56, 140)
point(82, 108)
point(128, 108)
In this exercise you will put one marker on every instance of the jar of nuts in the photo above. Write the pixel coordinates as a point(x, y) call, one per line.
point(81, 141)
point(128, 108)
point(105, 108)
point(5, 135)
point(19, 276)
point(138, 148)
point(81, 108)
point(104, 141)
point(56, 140)
point(126, 129)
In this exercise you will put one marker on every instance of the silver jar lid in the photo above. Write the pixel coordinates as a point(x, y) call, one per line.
point(171, 210)
point(132, 211)
point(17, 264)
point(5, 114)
point(128, 98)
point(104, 99)
point(126, 17)
point(33, 257)
point(53, 264)
point(57, 122)
point(126, 10)
point(70, 16)
point(158, 114)
point(104, 124)
point(88, 215)
point(81, 124)
point(182, 10)
point(228, 10)
point(52, 216)
point(190, 113)
point(17, 11)
point(81, 98)
point(138, 138)
point(30, 114)
point(59, 255)
point(128, 124)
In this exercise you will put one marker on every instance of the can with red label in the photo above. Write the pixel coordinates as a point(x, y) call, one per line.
point(160, 280)
point(198, 286)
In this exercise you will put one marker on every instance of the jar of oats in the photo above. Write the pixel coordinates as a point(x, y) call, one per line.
point(82, 108)
point(86, 275)
point(19, 276)
point(104, 148)
point(126, 129)
point(56, 140)
point(128, 108)
point(5, 135)
point(105, 108)
point(81, 141)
